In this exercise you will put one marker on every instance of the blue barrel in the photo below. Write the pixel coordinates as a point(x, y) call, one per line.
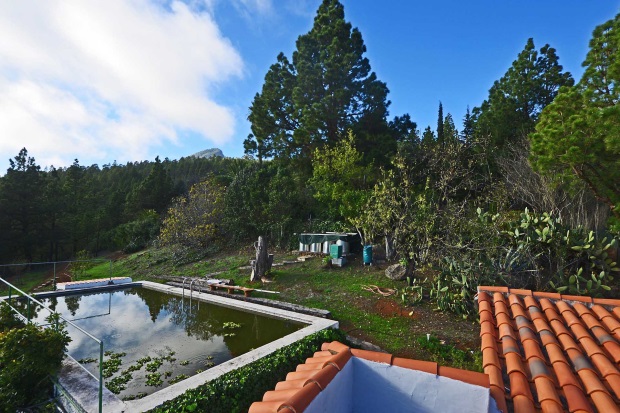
point(367, 254)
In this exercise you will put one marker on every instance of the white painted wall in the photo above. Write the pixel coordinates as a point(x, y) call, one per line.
point(367, 387)
point(337, 396)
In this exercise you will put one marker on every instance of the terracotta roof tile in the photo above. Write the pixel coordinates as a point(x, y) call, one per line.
point(498, 395)
point(559, 353)
point(334, 346)
point(495, 288)
point(516, 292)
point(296, 393)
point(542, 294)
point(576, 399)
point(577, 298)
point(302, 397)
point(426, 366)
point(322, 357)
point(523, 404)
point(322, 353)
point(275, 395)
point(323, 377)
point(485, 306)
point(487, 328)
point(291, 384)
point(340, 359)
point(605, 403)
point(265, 407)
point(495, 375)
point(313, 366)
point(488, 341)
point(465, 376)
point(373, 356)
point(607, 301)
point(298, 375)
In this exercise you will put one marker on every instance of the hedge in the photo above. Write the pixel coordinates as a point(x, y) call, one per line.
point(235, 391)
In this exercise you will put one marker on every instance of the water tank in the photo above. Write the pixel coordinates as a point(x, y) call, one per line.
point(367, 254)
point(335, 251)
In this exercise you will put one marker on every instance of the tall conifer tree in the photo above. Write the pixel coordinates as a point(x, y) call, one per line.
point(440, 119)
point(326, 90)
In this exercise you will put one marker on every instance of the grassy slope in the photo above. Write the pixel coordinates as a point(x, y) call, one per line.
point(383, 321)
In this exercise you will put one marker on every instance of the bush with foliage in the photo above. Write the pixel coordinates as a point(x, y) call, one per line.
point(533, 251)
point(446, 354)
point(193, 221)
point(28, 356)
point(235, 391)
point(135, 235)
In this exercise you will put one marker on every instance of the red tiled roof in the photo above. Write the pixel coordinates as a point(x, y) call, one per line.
point(300, 388)
point(550, 352)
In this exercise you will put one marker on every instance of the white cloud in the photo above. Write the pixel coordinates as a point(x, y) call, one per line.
point(113, 79)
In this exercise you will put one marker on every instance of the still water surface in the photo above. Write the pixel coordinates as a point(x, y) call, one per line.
point(142, 322)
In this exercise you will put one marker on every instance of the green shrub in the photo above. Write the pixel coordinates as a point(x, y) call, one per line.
point(235, 391)
point(28, 356)
point(135, 235)
point(446, 354)
point(532, 251)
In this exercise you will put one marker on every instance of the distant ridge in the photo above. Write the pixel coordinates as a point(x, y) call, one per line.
point(209, 153)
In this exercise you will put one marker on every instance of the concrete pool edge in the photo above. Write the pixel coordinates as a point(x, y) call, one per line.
point(315, 324)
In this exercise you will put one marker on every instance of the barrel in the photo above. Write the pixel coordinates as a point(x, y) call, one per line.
point(367, 254)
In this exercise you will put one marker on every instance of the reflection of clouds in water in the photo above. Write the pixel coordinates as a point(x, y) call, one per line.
point(129, 328)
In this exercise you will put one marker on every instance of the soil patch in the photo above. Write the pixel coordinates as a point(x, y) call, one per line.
point(388, 308)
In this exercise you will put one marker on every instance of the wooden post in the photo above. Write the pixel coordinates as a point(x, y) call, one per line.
point(262, 264)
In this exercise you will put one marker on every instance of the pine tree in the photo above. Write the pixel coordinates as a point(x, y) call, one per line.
point(516, 100)
point(450, 133)
point(326, 90)
point(21, 206)
point(440, 126)
point(468, 126)
point(578, 136)
point(428, 137)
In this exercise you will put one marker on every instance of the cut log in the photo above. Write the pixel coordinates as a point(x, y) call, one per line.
point(262, 264)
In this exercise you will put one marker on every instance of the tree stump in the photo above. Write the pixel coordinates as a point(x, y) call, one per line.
point(262, 264)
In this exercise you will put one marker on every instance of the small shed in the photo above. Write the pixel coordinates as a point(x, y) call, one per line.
point(320, 243)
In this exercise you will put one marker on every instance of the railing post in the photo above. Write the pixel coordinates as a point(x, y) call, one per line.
point(28, 311)
point(100, 376)
point(54, 276)
point(110, 271)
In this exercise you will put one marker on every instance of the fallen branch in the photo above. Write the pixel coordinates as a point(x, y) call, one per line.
point(385, 292)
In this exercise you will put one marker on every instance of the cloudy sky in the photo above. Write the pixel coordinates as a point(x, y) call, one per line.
point(127, 80)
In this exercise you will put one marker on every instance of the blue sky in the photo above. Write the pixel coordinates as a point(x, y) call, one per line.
point(129, 80)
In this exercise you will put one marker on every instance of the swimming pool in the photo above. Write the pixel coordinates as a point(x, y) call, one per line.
point(168, 344)
point(153, 339)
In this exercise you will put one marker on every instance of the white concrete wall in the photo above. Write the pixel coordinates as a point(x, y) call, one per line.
point(337, 397)
point(367, 387)
point(379, 387)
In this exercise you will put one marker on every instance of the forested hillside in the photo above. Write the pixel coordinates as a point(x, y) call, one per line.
point(522, 191)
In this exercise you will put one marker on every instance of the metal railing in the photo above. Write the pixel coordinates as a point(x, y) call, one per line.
point(53, 263)
point(28, 318)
